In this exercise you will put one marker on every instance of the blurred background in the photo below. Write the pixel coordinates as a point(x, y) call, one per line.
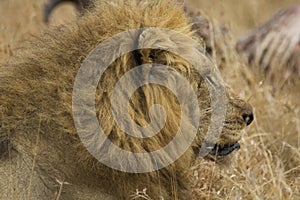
point(22, 18)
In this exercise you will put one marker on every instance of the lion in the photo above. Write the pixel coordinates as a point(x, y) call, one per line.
point(37, 119)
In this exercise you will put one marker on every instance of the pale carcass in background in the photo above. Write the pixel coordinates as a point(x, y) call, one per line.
point(273, 47)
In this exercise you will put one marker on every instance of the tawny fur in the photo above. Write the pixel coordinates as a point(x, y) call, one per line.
point(36, 104)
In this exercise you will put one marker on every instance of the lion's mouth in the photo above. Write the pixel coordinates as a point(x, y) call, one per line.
point(217, 150)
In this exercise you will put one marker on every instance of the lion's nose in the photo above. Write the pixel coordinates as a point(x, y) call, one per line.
point(248, 118)
point(248, 115)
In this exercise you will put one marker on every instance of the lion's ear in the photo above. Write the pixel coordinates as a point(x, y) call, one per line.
point(165, 40)
point(152, 43)
point(154, 38)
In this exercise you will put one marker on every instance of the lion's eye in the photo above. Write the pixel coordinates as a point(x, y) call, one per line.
point(210, 80)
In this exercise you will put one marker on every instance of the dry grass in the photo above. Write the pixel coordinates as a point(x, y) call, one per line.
point(268, 164)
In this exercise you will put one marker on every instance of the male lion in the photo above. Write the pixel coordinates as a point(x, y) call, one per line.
point(36, 107)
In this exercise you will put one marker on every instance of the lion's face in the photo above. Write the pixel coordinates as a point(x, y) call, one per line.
point(238, 113)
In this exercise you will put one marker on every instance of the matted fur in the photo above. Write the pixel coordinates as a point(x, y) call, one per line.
point(36, 105)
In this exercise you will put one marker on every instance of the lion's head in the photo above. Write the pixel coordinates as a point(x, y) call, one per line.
point(40, 100)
